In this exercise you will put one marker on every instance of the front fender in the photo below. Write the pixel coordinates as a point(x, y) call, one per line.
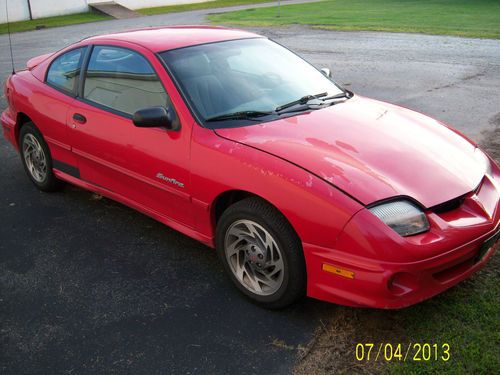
point(316, 210)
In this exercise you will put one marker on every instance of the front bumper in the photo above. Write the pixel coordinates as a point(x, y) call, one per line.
point(395, 285)
point(377, 268)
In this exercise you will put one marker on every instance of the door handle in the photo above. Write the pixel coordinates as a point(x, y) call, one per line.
point(79, 118)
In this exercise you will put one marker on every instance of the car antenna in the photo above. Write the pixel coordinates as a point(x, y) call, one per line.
point(10, 39)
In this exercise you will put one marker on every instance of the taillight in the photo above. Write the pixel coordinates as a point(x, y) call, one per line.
point(8, 91)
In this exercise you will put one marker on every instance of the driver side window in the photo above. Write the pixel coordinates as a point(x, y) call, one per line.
point(122, 80)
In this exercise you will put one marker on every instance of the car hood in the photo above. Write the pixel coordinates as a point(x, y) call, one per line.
point(372, 151)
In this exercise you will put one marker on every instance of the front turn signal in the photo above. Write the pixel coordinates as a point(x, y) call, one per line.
point(337, 271)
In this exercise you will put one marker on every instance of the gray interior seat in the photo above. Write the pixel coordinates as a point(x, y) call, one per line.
point(208, 92)
point(202, 86)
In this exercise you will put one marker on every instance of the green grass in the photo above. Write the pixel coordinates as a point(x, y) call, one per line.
point(467, 318)
point(94, 16)
point(196, 6)
point(469, 18)
point(71, 19)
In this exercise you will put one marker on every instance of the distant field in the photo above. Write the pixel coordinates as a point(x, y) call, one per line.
point(196, 6)
point(94, 16)
point(71, 19)
point(469, 18)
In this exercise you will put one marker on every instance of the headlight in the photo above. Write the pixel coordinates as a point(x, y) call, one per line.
point(402, 216)
point(484, 160)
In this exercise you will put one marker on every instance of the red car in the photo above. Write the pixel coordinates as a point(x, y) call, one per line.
point(302, 186)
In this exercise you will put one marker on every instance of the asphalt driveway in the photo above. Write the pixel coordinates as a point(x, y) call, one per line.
point(90, 286)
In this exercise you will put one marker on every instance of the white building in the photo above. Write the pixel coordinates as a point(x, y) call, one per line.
point(19, 10)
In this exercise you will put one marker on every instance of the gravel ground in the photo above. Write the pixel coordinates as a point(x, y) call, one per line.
point(90, 286)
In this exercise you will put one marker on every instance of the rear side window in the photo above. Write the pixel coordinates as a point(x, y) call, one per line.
point(122, 80)
point(65, 70)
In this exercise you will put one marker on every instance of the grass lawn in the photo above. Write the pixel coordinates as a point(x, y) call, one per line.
point(196, 6)
point(470, 18)
point(71, 19)
point(94, 16)
point(467, 318)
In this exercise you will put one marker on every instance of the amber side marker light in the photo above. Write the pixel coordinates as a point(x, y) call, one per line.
point(337, 271)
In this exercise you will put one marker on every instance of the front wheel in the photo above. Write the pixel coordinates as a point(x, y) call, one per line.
point(261, 253)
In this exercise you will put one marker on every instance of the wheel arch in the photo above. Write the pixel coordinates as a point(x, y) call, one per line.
point(229, 197)
point(21, 120)
point(226, 199)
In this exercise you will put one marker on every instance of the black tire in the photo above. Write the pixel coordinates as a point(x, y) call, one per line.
point(293, 286)
point(49, 182)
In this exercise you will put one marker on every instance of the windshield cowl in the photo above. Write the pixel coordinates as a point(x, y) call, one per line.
point(250, 118)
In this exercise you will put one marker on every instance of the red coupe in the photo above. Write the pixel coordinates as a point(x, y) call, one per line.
point(302, 186)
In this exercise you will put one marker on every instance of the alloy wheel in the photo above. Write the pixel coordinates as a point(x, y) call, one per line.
point(35, 158)
point(254, 257)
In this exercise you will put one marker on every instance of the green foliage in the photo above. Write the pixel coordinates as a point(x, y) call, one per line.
point(477, 18)
point(71, 19)
point(196, 6)
point(467, 318)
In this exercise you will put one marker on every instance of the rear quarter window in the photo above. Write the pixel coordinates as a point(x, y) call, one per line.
point(64, 71)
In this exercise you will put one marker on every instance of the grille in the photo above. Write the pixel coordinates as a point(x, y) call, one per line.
point(450, 205)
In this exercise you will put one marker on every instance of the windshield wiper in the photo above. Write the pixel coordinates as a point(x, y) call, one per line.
point(302, 101)
point(344, 94)
point(307, 103)
point(242, 115)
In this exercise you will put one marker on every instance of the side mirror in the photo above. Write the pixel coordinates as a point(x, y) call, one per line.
point(327, 72)
point(155, 117)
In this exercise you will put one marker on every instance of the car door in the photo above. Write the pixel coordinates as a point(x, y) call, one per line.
point(148, 167)
point(52, 102)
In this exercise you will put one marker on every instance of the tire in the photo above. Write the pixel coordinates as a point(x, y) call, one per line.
point(36, 158)
point(252, 236)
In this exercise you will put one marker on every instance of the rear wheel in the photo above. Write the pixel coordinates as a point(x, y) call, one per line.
point(36, 158)
point(261, 253)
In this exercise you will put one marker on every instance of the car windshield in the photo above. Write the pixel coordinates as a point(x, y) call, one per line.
point(250, 78)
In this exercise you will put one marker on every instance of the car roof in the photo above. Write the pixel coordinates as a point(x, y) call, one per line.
point(158, 39)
